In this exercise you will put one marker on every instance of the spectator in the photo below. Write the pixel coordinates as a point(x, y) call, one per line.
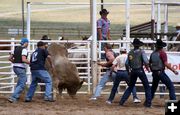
point(45, 37)
point(103, 28)
point(19, 60)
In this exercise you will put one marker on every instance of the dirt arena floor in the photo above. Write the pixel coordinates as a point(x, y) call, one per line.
point(79, 106)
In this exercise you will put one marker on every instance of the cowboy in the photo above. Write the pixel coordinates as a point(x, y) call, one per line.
point(121, 75)
point(158, 62)
point(19, 60)
point(134, 65)
point(103, 28)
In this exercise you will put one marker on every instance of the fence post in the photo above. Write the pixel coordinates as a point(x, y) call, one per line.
point(12, 72)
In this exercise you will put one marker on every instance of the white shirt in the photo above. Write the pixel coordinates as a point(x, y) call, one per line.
point(120, 62)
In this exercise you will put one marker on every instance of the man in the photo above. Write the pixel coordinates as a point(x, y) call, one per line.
point(38, 71)
point(158, 62)
point(19, 60)
point(103, 28)
point(134, 65)
point(121, 75)
point(110, 56)
point(46, 38)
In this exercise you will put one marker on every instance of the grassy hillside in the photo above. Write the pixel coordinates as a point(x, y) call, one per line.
point(60, 16)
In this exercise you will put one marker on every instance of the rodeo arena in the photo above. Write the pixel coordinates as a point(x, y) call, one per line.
point(78, 65)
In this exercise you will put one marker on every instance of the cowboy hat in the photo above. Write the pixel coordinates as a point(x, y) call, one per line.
point(103, 11)
point(137, 42)
point(45, 37)
point(160, 43)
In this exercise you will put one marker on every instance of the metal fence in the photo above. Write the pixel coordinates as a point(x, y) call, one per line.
point(8, 78)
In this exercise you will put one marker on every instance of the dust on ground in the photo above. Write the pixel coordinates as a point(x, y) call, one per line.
point(79, 106)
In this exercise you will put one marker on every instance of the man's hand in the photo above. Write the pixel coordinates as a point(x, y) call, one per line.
point(175, 72)
point(101, 64)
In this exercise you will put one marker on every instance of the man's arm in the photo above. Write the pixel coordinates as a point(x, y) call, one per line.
point(110, 57)
point(146, 61)
point(50, 61)
point(172, 69)
point(108, 35)
point(11, 58)
point(99, 33)
point(24, 56)
point(24, 59)
point(127, 66)
point(163, 57)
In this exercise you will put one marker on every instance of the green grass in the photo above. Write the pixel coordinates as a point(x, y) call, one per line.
point(78, 16)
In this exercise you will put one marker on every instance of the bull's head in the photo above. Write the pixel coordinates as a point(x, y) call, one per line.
point(73, 90)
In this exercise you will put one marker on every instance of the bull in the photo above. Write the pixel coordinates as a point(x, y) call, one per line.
point(64, 74)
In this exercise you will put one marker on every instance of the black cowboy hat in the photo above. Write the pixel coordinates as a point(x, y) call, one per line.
point(160, 43)
point(45, 37)
point(137, 42)
point(103, 11)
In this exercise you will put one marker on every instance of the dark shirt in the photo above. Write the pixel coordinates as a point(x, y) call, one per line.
point(38, 59)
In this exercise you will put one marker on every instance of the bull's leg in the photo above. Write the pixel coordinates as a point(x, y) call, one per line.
point(54, 94)
point(55, 88)
point(60, 88)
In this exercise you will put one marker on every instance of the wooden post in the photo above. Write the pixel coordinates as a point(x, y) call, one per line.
point(102, 6)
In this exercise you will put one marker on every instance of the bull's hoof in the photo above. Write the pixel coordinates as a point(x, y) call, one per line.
point(73, 96)
point(61, 96)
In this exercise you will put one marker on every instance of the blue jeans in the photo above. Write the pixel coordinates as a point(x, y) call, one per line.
point(105, 78)
point(121, 75)
point(43, 75)
point(157, 76)
point(21, 83)
point(133, 77)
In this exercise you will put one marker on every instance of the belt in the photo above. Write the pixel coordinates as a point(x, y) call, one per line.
point(19, 67)
point(157, 70)
point(121, 70)
point(136, 69)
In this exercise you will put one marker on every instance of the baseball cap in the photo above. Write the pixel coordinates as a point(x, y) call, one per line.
point(24, 40)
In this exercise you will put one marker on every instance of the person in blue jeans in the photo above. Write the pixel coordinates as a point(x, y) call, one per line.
point(110, 56)
point(38, 71)
point(19, 60)
point(134, 65)
point(158, 62)
point(121, 75)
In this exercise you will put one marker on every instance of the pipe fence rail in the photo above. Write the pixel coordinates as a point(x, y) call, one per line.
point(8, 78)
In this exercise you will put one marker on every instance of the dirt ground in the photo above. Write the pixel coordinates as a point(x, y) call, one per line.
point(79, 106)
